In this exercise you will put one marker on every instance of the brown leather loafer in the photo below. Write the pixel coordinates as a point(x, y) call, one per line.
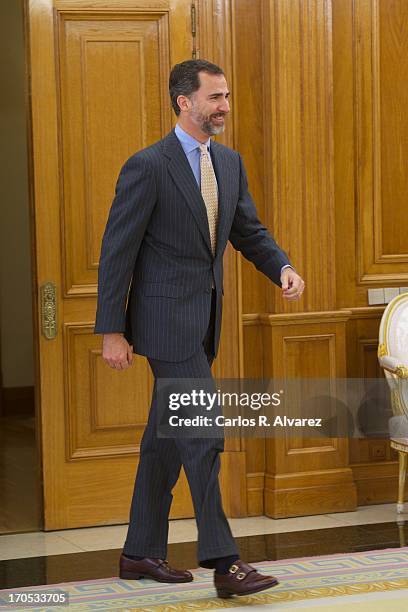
point(157, 569)
point(242, 579)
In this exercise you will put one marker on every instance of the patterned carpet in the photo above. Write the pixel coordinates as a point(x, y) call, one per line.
point(336, 578)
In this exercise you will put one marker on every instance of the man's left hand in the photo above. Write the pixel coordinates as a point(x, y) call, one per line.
point(292, 284)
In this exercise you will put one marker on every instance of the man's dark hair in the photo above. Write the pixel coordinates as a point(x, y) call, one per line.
point(184, 79)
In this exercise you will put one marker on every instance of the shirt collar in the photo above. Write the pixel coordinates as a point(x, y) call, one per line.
point(188, 142)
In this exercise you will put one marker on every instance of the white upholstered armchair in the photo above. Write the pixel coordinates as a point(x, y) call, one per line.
point(393, 358)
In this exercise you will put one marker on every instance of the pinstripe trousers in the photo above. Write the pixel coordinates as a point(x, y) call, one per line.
point(159, 468)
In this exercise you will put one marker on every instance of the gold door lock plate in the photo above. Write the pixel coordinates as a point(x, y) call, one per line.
point(48, 293)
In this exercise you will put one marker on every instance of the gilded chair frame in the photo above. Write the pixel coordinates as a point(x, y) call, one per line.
point(397, 378)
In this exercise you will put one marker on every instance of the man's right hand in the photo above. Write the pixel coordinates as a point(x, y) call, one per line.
point(116, 351)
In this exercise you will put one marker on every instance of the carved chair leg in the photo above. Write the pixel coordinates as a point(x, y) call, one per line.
point(401, 480)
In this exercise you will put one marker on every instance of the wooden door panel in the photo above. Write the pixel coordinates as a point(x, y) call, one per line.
point(306, 475)
point(315, 351)
point(381, 145)
point(309, 356)
point(112, 104)
point(106, 410)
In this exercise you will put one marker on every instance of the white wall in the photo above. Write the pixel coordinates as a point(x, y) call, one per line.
point(16, 334)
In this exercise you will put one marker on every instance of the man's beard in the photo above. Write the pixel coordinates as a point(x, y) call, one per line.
point(210, 129)
point(207, 126)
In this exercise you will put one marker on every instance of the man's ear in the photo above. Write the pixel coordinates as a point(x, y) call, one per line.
point(184, 103)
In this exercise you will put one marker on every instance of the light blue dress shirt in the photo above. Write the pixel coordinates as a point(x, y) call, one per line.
point(191, 148)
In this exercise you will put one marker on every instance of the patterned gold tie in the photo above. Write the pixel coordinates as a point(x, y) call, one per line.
point(209, 192)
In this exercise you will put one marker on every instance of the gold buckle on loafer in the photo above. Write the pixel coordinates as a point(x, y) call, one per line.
point(234, 568)
point(241, 576)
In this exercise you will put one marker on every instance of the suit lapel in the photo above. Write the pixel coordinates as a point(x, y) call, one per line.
point(222, 172)
point(183, 176)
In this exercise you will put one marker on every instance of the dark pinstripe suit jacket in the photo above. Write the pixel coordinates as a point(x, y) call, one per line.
point(156, 268)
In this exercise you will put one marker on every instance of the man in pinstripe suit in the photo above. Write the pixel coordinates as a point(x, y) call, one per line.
point(177, 204)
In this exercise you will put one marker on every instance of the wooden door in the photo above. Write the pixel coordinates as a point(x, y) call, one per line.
point(99, 71)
